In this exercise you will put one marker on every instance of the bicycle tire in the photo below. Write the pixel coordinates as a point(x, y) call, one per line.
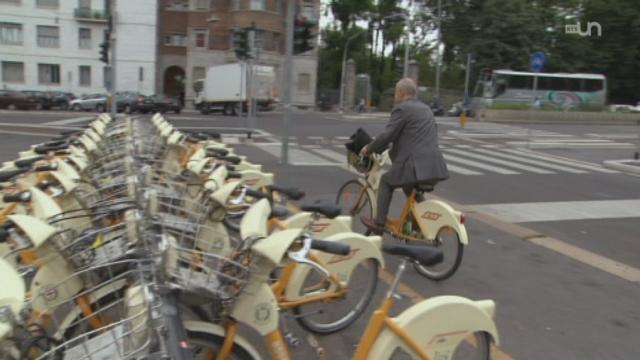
point(210, 343)
point(345, 194)
point(316, 324)
point(443, 271)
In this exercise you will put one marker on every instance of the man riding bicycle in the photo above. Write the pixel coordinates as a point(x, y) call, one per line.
point(415, 153)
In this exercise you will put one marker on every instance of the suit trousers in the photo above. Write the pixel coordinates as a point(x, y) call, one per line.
point(385, 195)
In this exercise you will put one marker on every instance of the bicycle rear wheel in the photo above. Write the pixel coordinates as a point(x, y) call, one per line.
point(355, 201)
point(328, 317)
point(448, 241)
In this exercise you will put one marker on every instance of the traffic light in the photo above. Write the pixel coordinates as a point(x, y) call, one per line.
point(104, 48)
point(241, 43)
point(304, 38)
point(104, 52)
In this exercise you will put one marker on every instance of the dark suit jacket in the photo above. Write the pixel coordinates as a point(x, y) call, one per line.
point(415, 154)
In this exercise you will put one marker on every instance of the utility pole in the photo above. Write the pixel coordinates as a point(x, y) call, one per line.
point(438, 50)
point(407, 22)
point(288, 79)
point(112, 73)
point(250, 76)
point(344, 65)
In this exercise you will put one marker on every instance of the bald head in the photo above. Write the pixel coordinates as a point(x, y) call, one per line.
point(405, 90)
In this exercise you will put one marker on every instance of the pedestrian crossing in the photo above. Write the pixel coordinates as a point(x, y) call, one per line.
point(463, 160)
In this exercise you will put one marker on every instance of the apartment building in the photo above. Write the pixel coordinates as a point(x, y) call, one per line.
point(197, 34)
point(54, 45)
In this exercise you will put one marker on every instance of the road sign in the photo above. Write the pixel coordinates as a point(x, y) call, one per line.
point(537, 61)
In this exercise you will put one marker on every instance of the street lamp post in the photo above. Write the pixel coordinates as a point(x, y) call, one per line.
point(344, 65)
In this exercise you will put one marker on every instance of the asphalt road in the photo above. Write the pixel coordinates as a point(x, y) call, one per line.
point(555, 237)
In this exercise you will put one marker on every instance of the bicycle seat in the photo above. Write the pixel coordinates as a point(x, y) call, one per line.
point(215, 152)
point(426, 186)
point(291, 193)
point(27, 162)
point(279, 212)
point(10, 174)
point(327, 210)
point(425, 255)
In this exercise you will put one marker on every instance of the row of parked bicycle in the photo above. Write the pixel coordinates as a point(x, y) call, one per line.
point(131, 239)
point(127, 101)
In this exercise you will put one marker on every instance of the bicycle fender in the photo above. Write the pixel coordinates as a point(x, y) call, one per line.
point(174, 138)
point(322, 228)
point(438, 325)
point(255, 180)
point(246, 165)
point(362, 247)
point(254, 221)
point(215, 329)
point(432, 215)
point(38, 231)
point(257, 308)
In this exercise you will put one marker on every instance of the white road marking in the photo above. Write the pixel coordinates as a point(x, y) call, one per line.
point(462, 171)
point(522, 159)
point(331, 155)
point(70, 121)
point(562, 210)
point(510, 164)
point(499, 170)
point(575, 164)
point(297, 156)
point(31, 133)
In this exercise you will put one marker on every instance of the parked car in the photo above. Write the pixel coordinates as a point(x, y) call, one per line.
point(436, 108)
point(16, 100)
point(97, 102)
point(131, 102)
point(61, 99)
point(163, 104)
point(43, 100)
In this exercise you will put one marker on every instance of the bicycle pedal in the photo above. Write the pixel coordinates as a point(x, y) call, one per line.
point(292, 339)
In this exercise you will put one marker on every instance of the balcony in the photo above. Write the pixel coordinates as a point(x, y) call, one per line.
point(86, 14)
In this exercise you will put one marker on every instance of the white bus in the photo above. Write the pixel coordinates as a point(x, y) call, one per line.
point(515, 89)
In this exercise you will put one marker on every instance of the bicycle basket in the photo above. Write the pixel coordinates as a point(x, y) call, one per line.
point(362, 164)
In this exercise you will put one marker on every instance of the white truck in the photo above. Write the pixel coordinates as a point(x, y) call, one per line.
point(226, 88)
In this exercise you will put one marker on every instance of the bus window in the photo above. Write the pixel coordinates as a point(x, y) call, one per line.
point(593, 85)
point(520, 82)
point(544, 83)
point(574, 84)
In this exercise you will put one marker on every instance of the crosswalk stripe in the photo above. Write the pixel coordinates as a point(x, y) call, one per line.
point(496, 169)
point(510, 164)
point(462, 171)
point(530, 161)
point(297, 156)
point(331, 155)
point(560, 161)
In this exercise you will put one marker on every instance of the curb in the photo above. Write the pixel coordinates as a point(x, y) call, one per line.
point(563, 122)
point(560, 146)
point(623, 165)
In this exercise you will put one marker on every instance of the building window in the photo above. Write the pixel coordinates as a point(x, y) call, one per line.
point(47, 3)
point(10, 33)
point(235, 4)
point(48, 36)
point(85, 75)
point(48, 74)
point(258, 5)
point(141, 74)
point(175, 40)
point(197, 73)
point(84, 4)
point(12, 72)
point(304, 83)
point(200, 38)
point(201, 4)
point(84, 38)
point(177, 5)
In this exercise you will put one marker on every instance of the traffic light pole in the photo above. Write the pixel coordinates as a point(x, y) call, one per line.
point(114, 108)
point(288, 77)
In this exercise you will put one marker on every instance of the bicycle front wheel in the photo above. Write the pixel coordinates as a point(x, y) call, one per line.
point(328, 317)
point(476, 346)
point(448, 241)
point(207, 346)
point(354, 200)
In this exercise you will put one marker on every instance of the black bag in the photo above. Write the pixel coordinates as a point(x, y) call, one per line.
point(358, 140)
